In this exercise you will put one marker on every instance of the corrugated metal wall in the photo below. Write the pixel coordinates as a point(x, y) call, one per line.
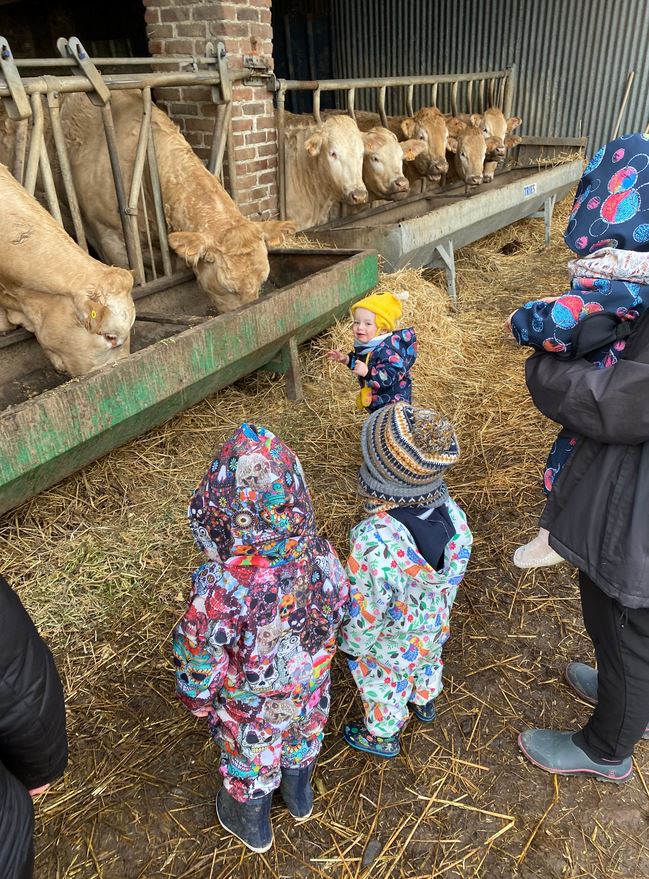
point(572, 57)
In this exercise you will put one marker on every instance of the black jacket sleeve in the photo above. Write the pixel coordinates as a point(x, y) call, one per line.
point(33, 740)
point(608, 405)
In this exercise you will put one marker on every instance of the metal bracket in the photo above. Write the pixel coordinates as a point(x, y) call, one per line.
point(218, 57)
point(446, 252)
point(258, 71)
point(546, 215)
point(73, 48)
point(18, 106)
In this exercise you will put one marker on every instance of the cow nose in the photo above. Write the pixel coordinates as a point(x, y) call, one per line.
point(357, 196)
point(401, 184)
point(441, 166)
point(474, 179)
point(500, 151)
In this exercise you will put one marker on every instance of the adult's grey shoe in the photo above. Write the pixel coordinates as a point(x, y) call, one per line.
point(583, 680)
point(557, 753)
point(297, 792)
point(249, 821)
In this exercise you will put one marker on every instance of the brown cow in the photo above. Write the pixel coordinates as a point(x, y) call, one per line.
point(469, 148)
point(493, 124)
point(228, 252)
point(80, 310)
point(324, 166)
point(427, 126)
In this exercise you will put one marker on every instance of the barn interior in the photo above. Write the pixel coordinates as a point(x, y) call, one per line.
point(102, 558)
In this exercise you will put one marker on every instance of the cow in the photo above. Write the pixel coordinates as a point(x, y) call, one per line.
point(493, 124)
point(383, 158)
point(428, 127)
point(323, 167)
point(80, 310)
point(227, 251)
point(468, 147)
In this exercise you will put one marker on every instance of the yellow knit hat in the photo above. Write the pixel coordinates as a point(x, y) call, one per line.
point(386, 307)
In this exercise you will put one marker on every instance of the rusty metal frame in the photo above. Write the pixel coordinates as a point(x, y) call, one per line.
point(483, 89)
point(27, 100)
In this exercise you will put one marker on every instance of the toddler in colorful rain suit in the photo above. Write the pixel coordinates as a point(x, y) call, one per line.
point(254, 648)
point(608, 229)
point(383, 355)
point(406, 563)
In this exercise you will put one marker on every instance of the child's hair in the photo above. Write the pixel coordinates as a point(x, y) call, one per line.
point(385, 306)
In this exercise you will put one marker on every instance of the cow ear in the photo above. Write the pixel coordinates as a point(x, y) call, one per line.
point(192, 246)
point(512, 141)
point(451, 144)
point(411, 149)
point(513, 122)
point(91, 313)
point(276, 230)
point(314, 144)
point(475, 119)
point(408, 126)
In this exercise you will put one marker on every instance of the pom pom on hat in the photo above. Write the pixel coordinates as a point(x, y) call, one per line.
point(386, 306)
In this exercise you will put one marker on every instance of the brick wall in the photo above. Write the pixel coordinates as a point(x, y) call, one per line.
point(183, 27)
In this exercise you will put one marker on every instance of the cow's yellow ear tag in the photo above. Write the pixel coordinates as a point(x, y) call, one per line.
point(93, 314)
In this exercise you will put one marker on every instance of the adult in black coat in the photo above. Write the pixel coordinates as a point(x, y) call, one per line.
point(33, 741)
point(598, 519)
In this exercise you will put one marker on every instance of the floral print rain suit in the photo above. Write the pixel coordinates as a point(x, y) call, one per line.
point(398, 617)
point(255, 645)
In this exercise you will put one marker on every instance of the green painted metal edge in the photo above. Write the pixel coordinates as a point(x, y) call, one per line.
point(46, 439)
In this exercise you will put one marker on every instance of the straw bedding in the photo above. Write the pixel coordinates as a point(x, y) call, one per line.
point(102, 563)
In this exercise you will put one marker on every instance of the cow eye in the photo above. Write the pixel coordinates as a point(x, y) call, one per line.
point(375, 158)
point(463, 155)
point(333, 154)
point(422, 136)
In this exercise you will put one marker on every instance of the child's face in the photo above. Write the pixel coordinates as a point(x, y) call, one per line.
point(364, 325)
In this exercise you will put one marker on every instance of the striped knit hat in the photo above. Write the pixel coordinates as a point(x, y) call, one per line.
point(405, 452)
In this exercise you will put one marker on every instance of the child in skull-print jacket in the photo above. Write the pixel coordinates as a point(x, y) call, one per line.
point(254, 648)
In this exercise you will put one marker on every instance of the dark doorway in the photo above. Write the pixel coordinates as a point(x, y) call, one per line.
point(302, 47)
point(107, 28)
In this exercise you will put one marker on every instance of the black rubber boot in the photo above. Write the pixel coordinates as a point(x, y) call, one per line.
point(249, 821)
point(297, 792)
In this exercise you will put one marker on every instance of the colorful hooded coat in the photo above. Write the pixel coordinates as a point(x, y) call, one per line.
point(389, 363)
point(611, 212)
point(256, 642)
point(398, 616)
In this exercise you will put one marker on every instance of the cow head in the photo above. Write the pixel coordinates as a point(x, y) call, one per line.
point(337, 147)
point(383, 163)
point(497, 132)
point(428, 126)
point(232, 264)
point(469, 147)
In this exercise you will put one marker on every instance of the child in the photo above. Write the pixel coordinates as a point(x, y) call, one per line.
point(254, 648)
point(609, 222)
point(407, 560)
point(383, 356)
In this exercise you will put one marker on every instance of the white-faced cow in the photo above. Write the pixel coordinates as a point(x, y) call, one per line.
point(80, 310)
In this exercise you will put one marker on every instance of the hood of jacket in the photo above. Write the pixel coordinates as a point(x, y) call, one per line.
point(252, 506)
point(611, 207)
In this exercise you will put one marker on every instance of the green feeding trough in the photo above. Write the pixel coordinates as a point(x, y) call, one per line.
point(51, 427)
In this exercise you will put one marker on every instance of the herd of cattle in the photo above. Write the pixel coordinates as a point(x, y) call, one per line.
point(81, 309)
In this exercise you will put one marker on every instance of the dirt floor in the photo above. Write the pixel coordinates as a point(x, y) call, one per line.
point(102, 562)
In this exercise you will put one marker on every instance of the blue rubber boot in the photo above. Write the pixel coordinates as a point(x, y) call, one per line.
point(583, 680)
point(358, 736)
point(425, 713)
point(249, 821)
point(297, 792)
point(557, 753)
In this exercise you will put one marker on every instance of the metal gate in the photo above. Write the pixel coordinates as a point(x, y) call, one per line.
point(33, 104)
point(466, 92)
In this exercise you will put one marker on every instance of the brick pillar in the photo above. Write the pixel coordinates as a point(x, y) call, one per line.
point(183, 27)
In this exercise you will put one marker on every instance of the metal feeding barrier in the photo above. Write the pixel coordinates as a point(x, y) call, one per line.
point(475, 92)
point(33, 103)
